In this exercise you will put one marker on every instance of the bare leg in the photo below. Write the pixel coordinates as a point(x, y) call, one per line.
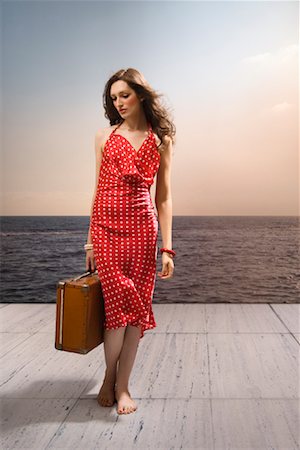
point(113, 341)
point(128, 353)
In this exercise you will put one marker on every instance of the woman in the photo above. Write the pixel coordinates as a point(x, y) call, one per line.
point(122, 238)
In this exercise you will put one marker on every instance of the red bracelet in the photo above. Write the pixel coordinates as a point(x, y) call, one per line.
point(171, 252)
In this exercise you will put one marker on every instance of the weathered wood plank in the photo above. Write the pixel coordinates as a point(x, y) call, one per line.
point(35, 369)
point(290, 315)
point(210, 376)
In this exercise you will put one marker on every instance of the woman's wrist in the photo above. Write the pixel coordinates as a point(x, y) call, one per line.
point(167, 250)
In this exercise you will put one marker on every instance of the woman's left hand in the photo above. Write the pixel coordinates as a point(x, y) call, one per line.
point(167, 266)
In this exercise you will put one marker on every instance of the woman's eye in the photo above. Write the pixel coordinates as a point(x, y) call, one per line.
point(126, 96)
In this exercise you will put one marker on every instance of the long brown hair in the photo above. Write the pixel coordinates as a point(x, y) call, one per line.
point(156, 113)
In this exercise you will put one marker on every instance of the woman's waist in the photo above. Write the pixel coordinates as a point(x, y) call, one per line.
point(123, 190)
point(123, 203)
point(138, 215)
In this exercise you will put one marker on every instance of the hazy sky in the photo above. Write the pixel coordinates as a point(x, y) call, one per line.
point(229, 74)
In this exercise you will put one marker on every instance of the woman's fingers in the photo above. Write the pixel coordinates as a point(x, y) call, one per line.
point(90, 264)
point(93, 264)
point(167, 271)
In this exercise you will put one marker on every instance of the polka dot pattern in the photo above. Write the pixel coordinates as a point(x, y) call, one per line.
point(124, 230)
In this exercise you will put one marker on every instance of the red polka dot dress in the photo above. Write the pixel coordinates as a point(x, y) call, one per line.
point(124, 230)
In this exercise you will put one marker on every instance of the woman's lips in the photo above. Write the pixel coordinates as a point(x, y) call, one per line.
point(122, 110)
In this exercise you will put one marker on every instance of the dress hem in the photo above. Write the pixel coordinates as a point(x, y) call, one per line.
point(143, 329)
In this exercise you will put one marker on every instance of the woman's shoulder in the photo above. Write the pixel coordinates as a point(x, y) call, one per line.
point(103, 131)
point(102, 134)
point(163, 143)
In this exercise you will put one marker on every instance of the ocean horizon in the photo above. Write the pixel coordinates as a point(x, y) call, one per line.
point(231, 259)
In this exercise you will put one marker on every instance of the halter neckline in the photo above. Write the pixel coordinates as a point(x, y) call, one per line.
point(144, 141)
point(148, 124)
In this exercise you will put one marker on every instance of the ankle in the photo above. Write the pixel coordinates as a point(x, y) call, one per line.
point(121, 387)
point(111, 372)
point(110, 378)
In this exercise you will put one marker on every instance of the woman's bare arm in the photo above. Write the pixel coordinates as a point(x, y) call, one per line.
point(99, 140)
point(163, 195)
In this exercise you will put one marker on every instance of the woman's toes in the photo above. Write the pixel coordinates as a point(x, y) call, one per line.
point(126, 409)
point(104, 401)
point(125, 403)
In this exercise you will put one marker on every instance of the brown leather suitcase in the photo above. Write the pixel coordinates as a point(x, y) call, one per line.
point(80, 313)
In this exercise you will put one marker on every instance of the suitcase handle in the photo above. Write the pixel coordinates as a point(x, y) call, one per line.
point(85, 274)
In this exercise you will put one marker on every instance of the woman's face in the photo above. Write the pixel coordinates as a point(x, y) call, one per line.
point(124, 99)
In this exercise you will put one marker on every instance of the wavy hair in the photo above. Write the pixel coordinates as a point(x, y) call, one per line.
point(156, 113)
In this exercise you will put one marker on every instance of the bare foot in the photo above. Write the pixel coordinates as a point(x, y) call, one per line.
point(106, 396)
point(125, 403)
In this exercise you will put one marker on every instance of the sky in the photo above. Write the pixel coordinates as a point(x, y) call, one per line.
point(228, 72)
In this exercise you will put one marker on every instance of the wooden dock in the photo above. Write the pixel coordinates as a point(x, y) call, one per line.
point(210, 376)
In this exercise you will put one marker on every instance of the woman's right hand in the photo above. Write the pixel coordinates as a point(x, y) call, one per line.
point(90, 263)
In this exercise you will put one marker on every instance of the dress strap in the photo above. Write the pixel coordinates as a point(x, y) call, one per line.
point(117, 127)
point(150, 131)
point(149, 127)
